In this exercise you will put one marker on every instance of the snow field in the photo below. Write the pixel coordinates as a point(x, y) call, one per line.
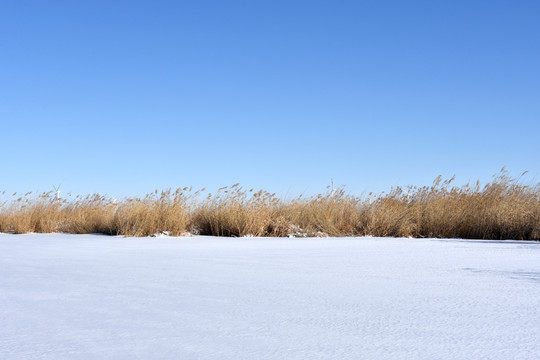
point(101, 297)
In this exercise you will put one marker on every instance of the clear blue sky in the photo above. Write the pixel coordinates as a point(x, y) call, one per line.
point(123, 97)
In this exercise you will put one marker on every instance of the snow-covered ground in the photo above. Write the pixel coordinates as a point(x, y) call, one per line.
point(99, 297)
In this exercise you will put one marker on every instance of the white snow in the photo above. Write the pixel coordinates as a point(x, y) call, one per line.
point(99, 297)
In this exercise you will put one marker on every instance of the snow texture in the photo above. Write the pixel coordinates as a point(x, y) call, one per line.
point(98, 297)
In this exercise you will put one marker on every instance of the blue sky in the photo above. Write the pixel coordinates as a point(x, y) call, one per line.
point(123, 97)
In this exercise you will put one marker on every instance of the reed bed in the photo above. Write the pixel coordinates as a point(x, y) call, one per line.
point(502, 209)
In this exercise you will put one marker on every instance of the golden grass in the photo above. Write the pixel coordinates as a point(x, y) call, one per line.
point(502, 209)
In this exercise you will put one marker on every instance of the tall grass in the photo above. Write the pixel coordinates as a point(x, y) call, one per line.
point(502, 209)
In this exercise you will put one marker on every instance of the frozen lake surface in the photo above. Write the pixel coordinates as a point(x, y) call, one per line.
point(99, 297)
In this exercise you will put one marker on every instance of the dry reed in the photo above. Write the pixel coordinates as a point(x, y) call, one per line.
point(502, 209)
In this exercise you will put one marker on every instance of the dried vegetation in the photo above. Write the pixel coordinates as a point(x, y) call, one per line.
point(502, 209)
